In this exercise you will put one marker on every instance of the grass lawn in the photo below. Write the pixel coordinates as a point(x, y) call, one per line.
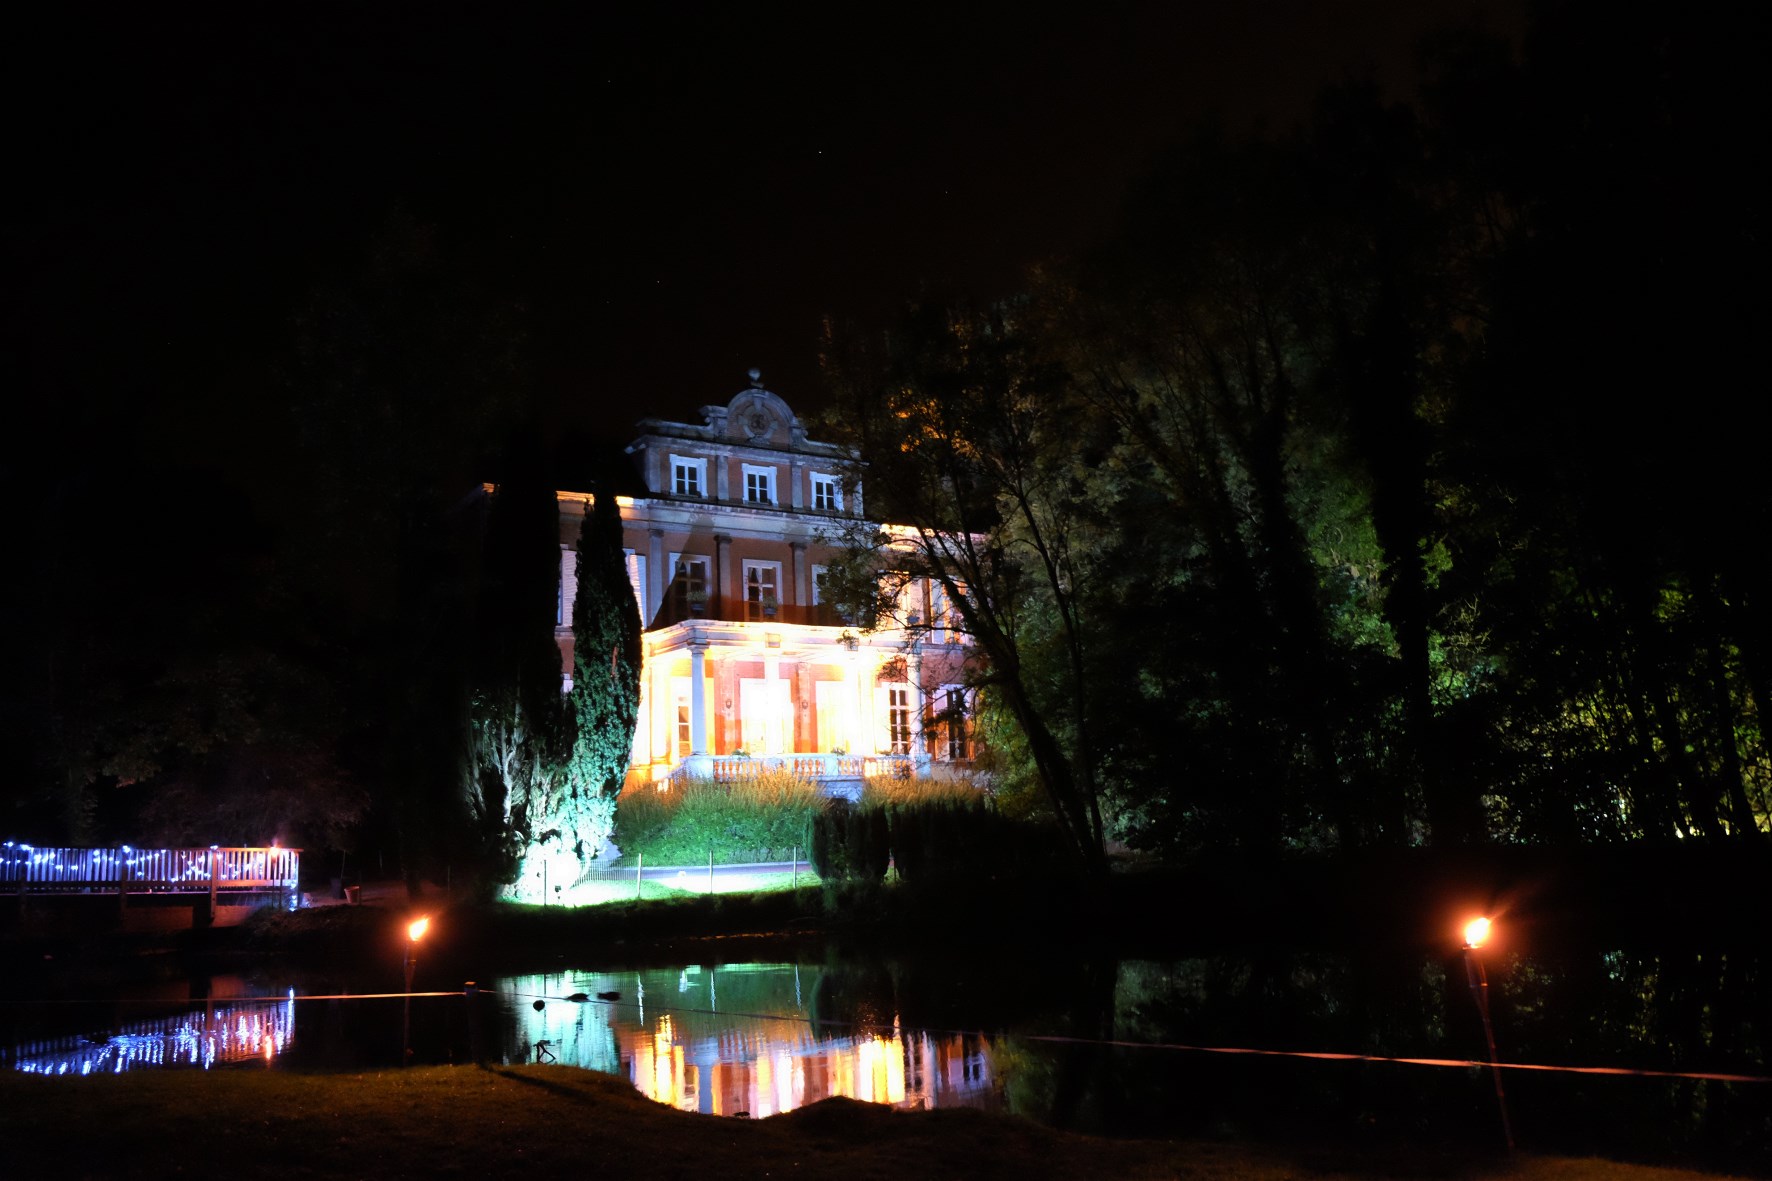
point(618, 885)
point(558, 1121)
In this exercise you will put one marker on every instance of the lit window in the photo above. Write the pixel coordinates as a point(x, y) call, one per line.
point(759, 485)
point(898, 719)
point(689, 477)
point(827, 493)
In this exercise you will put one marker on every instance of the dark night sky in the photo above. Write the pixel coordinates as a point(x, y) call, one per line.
point(674, 195)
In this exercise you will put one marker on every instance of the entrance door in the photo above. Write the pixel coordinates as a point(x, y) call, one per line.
point(761, 719)
point(836, 707)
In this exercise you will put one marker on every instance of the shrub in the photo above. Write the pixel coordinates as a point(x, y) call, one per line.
point(889, 790)
point(953, 838)
point(828, 849)
point(759, 818)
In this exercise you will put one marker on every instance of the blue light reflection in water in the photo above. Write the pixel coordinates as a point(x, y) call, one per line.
point(213, 1035)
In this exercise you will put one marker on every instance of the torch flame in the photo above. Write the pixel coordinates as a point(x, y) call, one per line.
point(417, 928)
point(1476, 932)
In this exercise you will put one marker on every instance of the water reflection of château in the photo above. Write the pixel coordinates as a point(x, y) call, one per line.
point(739, 1039)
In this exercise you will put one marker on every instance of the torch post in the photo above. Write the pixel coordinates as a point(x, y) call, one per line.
point(415, 931)
point(1476, 932)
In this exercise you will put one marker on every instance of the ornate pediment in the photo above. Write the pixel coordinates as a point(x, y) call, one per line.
point(756, 417)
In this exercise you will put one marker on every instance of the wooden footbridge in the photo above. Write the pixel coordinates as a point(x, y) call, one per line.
point(223, 875)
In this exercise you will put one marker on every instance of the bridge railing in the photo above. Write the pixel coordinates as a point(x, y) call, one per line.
point(125, 869)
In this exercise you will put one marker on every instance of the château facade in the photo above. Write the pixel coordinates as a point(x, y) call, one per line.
point(748, 665)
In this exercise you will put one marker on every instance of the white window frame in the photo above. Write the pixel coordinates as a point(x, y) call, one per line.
point(901, 734)
point(911, 598)
point(945, 704)
point(827, 482)
point(754, 607)
point(766, 474)
point(695, 465)
point(946, 624)
point(818, 573)
point(707, 575)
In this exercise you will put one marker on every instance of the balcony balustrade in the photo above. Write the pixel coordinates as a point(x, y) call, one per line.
point(734, 609)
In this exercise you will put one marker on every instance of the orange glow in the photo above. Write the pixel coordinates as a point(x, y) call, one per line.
point(1476, 932)
point(416, 929)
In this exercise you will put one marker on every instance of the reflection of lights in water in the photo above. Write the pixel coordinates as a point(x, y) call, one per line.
point(762, 1056)
point(667, 1065)
point(201, 1038)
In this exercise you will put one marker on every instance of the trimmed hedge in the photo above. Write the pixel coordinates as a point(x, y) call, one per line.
point(947, 840)
point(851, 842)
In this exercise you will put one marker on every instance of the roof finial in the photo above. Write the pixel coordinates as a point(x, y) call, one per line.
point(756, 378)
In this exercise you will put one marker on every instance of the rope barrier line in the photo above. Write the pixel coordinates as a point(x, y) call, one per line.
point(1460, 1062)
point(240, 1000)
point(1322, 1055)
point(1326, 1055)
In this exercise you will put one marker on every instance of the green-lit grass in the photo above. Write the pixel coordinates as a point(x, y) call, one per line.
point(557, 1121)
point(618, 886)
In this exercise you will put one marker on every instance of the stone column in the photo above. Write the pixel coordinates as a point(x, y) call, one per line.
point(641, 753)
point(722, 476)
point(863, 741)
point(725, 592)
point(771, 707)
point(657, 577)
point(797, 497)
point(664, 709)
point(698, 696)
point(913, 671)
point(801, 597)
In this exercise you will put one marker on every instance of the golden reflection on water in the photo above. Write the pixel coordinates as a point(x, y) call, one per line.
point(676, 1041)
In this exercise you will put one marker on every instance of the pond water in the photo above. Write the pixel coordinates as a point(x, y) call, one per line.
point(1130, 1047)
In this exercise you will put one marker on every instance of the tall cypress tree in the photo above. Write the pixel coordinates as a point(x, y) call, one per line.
point(605, 698)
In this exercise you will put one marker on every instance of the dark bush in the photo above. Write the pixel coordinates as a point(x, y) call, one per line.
point(851, 843)
point(948, 840)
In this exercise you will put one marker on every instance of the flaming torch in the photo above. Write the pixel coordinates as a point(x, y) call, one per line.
point(1476, 933)
point(415, 930)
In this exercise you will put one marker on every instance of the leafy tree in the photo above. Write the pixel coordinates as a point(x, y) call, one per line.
point(520, 728)
point(968, 437)
point(1616, 593)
